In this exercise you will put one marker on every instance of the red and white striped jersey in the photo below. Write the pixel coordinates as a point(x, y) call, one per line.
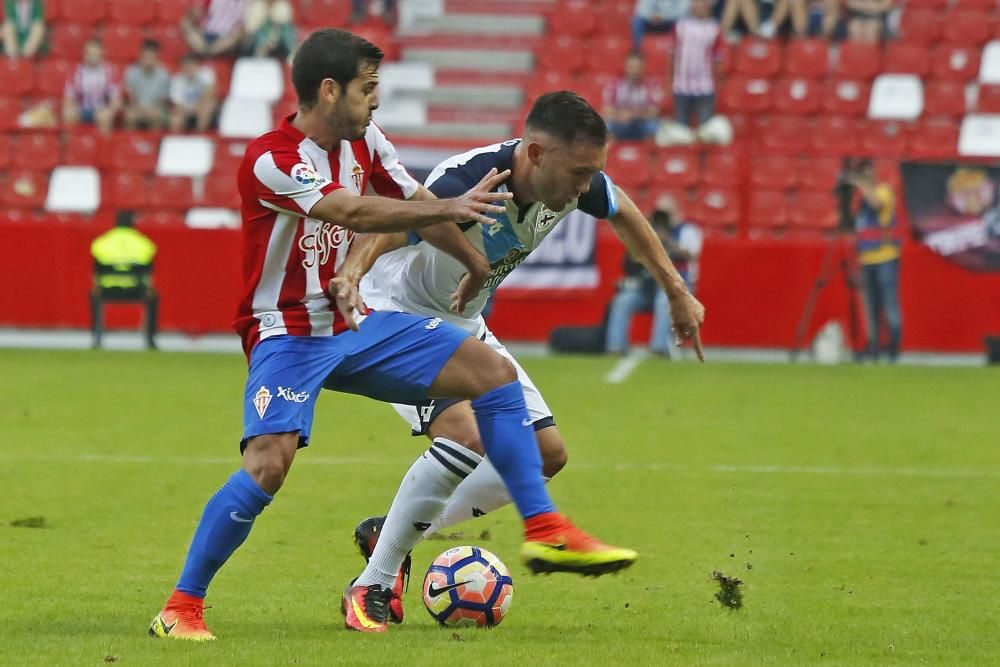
point(289, 258)
point(697, 44)
point(221, 17)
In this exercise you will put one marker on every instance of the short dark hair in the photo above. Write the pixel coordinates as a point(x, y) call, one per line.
point(150, 45)
point(568, 117)
point(330, 54)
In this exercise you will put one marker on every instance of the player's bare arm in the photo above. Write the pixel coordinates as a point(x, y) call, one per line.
point(640, 239)
point(382, 214)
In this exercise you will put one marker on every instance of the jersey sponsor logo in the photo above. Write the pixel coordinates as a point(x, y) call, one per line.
point(290, 394)
point(433, 591)
point(261, 400)
point(320, 244)
point(433, 324)
point(303, 174)
point(500, 270)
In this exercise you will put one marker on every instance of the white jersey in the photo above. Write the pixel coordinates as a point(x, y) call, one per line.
point(421, 279)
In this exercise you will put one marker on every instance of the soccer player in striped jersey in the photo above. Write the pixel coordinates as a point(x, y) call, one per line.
point(303, 188)
point(556, 168)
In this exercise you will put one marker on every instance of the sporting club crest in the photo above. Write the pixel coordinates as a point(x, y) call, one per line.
point(261, 400)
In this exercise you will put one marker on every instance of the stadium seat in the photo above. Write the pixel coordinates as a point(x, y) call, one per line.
point(773, 172)
point(768, 210)
point(131, 12)
point(715, 208)
point(896, 96)
point(968, 27)
point(171, 40)
point(845, 96)
point(228, 156)
point(146, 219)
point(980, 135)
point(5, 150)
point(170, 12)
point(675, 170)
point(82, 148)
point(858, 60)
point(125, 190)
point(185, 155)
point(976, 5)
point(944, 98)
point(721, 170)
point(381, 34)
point(750, 96)
point(610, 57)
point(548, 80)
point(815, 211)
point(988, 99)
point(122, 43)
point(629, 165)
point(35, 151)
point(24, 189)
point(320, 13)
point(221, 191)
point(656, 50)
point(807, 58)
point(922, 27)
point(562, 54)
point(989, 65)
point(10, 109)
point(615, 16)
point(16, 76)
point(906, 59)
point(797, 95)
point(171, 192)
point(135, 152)
point(212, 218)
point(244, 119)
point(51, 76)
point(934, 140)
point(926, 4)
point(783, 135)
point(819, 174)
point(955, 61)
point(884, 139)
point(757, 58)
point(836, 135)
point(584, 19)
point(258, 79)
point(67, 39)
point(88, 14)
point(74, 190)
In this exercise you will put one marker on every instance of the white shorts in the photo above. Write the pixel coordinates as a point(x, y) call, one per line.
point(420, 416)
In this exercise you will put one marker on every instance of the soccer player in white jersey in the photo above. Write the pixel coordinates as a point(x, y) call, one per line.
point(556, 168)
point(302, 192)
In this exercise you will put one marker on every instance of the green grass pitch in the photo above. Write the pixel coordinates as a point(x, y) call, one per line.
point(857, 504)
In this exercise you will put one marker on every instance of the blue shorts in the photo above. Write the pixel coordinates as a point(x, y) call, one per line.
point(395, 358)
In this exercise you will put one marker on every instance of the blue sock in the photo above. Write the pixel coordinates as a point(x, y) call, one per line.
point(509, 440)
point(224, 525)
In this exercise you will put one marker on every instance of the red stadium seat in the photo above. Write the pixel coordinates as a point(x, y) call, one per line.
point(10, 109)
point(782, 135)
point(656, 50)
point(578, 19)
point(816, 211)
point(223, 68)
point(797, 95)
point(955, 61)
point(88, 13)
point(836, 136)
point(973, 28)
point(610, 57)
point(807, 57)
point(380, 35)
point(675, 170)
point(884, 139)
point(934, 140)
point(67, 40)
point(221, 190)
point(83, 148)
point(721, 170)
point(858, 61)
point(715, 207)
point(171, 192)
point(629, 165)
point(5, 147)
point(125, 190)
point(773, 172)
point(323, 13)
point(921, 26)
point(562, 54)
point(750, 96)
point(122, 43)
point(51, 77)
point(846, 96)
point(24, 189)
point(172, 44)
point(926, 4)
point(758, 58)
point(944, 98)
point(131, 12)
point(133, 152)
point(16, 76)
point(546, 81)
point(988, 100)
point(976, 5)
point(36, 151)
point(906, 59)
point(169, 12)
point(228, 156)
point(768, 209)
point(615, 16)
point(819, 174)
point(147, 219)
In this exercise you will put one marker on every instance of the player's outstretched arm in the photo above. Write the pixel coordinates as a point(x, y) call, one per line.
point(638, 235)
point(381, 214)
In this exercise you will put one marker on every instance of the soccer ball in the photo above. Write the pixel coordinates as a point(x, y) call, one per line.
point(468, 586)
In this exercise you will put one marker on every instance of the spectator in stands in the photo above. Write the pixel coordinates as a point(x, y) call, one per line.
point(793, 12)
point(655, 16)
point(697, 50)
point(638, 291)
point(866, 20)
point(23, 30)
point(192, 92)
point(878, 248)
point(632, 103)
point(92, 94)
point(746, 12)
point(214, 27)
point(360, 9)
point(147, 84)
point(269, 29)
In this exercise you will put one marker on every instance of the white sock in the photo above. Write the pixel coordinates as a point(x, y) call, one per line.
point(422, 495)
point(480, 493)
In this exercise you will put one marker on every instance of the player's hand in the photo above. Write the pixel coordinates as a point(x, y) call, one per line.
point(470, 286)
point(688, 316)
point(478, 201)
point(348, 299)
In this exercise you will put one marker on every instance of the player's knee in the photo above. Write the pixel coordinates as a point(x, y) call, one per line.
point(267, 459)
point(503, 371)
point(554, 459)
